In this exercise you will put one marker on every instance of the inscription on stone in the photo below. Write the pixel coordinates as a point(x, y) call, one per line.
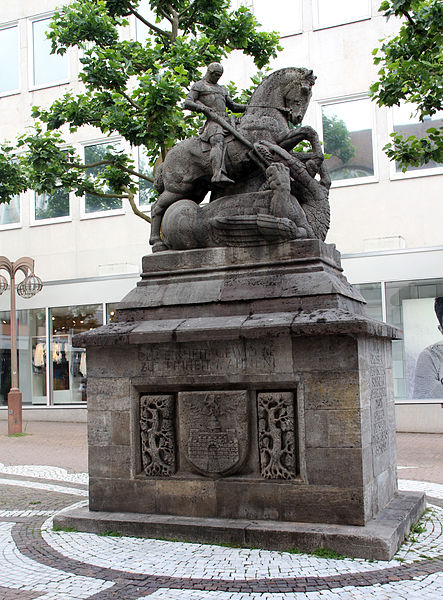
point(377, 374)
point(207, 358)
point(214, 430)
point(276, 435)
point(157, 435)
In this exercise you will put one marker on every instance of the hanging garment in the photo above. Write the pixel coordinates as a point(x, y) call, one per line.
point(57, 352)
point(39, 355)
point(82, 367)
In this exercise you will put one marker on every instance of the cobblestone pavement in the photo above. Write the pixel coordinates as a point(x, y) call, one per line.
point(37, 562)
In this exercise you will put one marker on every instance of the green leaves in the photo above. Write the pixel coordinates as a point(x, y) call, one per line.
point(132, 88)
point(412, 71)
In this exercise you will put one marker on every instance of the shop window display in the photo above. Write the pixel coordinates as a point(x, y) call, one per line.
point(68, 363)
point(31, 348)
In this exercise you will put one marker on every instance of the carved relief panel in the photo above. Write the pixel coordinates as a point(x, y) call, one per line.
point(276, 435)
point(214, 430)
point(157, 432)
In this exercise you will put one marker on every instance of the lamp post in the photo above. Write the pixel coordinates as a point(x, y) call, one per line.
point(27, 288)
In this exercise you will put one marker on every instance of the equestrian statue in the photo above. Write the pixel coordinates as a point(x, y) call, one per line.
point(261, 189)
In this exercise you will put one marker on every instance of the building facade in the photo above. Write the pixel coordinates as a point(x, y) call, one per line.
point(385, 223)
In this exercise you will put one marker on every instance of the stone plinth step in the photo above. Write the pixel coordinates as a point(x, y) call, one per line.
point(379, 539)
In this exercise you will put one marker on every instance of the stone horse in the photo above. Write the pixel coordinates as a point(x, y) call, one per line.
point(280, 100)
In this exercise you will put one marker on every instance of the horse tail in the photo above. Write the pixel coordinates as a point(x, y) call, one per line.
point(158, 180)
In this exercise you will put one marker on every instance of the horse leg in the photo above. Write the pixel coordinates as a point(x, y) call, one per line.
point(163, 202)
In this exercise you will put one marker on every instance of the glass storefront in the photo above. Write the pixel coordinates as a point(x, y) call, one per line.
point(68, 363)
point(416, 307)
point(58, 376)
point(61, 369)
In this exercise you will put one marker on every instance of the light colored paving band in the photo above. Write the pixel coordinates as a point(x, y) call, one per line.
point(48, 487)
point(205, 562)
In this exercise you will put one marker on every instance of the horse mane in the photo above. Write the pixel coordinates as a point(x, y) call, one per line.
point(285, 78)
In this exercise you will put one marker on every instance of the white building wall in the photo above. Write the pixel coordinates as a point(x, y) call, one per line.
point(387, 230)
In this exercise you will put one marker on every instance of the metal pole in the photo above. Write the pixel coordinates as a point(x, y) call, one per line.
point(14, 366)
point(34, 285)
point(15, 419)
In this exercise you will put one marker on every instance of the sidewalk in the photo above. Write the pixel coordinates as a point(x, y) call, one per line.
point(39, 563)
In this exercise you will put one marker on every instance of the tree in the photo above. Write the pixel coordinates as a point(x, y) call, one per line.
point(131, 88)
point(412, 72)
point(337, 138)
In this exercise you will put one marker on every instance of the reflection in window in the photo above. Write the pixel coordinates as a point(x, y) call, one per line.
point(347, 136)
point(406, 123)
point(145, 187)
point(371, 292)
point(10, 213)
point(52, 206)
point(410, 306)
point(283, 17)
point(93, 204)
point(330, 13)
point(48, 68)
point(68, 363)
point(8, 59)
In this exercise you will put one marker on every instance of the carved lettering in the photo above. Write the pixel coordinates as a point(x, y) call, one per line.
point(377, 374)
point(276, 435)
point(206, 359)
point(157, 435)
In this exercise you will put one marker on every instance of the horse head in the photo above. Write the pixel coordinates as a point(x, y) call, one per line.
point(289, 88)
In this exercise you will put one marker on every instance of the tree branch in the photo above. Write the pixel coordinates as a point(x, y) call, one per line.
point(129, 99)
point(150, 25)
point(102, 163)
point(106, 195)
point(135, 208)
point(409, 18)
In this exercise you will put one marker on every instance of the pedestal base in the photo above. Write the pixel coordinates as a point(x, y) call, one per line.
point(378, 540)
point(242, 386)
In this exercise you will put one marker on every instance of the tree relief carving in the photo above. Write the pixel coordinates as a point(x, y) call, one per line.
point(276, 435)
point(157, 435)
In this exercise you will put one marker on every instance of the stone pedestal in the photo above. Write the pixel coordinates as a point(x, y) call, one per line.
point(244, 387)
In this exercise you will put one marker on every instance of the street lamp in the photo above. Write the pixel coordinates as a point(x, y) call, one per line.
point(27, 288)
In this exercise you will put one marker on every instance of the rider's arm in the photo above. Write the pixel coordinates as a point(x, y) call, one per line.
point(235, 106)
point(192, 102)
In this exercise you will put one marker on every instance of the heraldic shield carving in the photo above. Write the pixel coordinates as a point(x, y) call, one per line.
point(214, 430)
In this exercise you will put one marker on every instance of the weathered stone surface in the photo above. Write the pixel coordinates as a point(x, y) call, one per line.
point(271, 412)
point(272, 194)
point(157, 431)
point(276, 435)
point(214, 430)
point(378, 540)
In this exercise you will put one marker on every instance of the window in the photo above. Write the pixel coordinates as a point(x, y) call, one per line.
point(9, 63)
point(67, 363)
point(92, 203)
point(280, 15)
point(405, 121)
point(328, 13)
point(371, 292)
point(47, 68)
point(10, 213)
point(31, 351)
point(411, 306)
point(348, 138)
point(51, 206)
point(145, 187)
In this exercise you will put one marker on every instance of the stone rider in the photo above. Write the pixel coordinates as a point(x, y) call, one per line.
point(207, 97)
